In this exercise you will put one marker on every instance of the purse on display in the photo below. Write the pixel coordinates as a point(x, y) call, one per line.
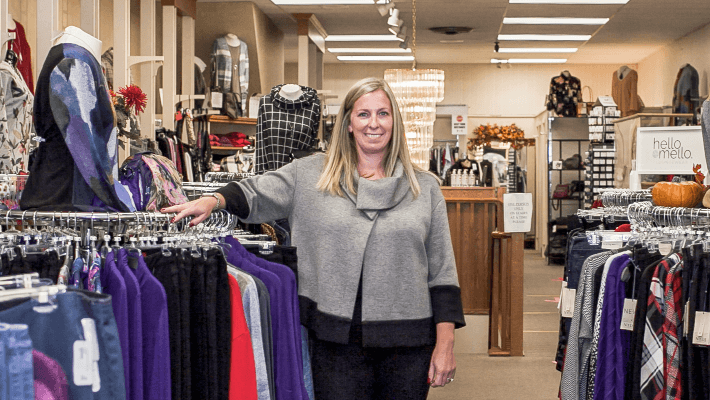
point(562, 191)
point(231, 106)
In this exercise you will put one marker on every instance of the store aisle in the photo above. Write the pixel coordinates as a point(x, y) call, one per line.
point(531, 377)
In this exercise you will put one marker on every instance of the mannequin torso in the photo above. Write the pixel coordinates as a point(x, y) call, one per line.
point(290, 91)
point(622, 72)
point(76, 36)
point(232, 40)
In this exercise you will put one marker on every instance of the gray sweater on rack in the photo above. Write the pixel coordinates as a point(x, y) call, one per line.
point(400, 245)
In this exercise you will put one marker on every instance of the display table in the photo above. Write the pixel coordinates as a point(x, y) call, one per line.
point(474, 214)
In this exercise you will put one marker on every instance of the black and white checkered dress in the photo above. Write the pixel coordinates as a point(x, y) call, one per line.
point(284, 126)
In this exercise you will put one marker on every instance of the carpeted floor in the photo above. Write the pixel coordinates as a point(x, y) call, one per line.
point(531, 377)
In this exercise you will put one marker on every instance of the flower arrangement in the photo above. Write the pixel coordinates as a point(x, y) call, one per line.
point(485, 134)
point(128, 103)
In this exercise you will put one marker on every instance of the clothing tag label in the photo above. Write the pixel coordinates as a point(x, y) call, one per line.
point(567, 300)
point(627, 317)
point(686, 318)
point(554, 228)
point(612, 244)
point(91, 344)
point(81, 367)
point(701, 330)
point(665, 248)
point(562, 293)
point(216, 99)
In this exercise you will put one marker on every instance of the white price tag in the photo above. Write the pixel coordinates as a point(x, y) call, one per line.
point(686, 318)
point(627, 317)
point(701, 330)
point(81, 367)
point(665, 248)
point(567, 297)
point(612, 244)
point(216, 99)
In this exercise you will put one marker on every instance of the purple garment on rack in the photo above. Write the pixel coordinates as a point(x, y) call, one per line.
point(135, 326)
point(613, 347)
point(288, 376)
point(156, 336)
point(113, 283)
point(50, 381)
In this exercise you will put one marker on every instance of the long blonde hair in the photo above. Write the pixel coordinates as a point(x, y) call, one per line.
point(342, 158)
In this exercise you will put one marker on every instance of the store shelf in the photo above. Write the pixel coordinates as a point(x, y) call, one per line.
point(225, 150)
point(223, 119)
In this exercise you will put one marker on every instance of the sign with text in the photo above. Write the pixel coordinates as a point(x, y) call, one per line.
point(669, 150)
point(517, 212)
point(459, 120)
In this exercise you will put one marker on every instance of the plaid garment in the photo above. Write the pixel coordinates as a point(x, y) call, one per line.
point(223, 68)
point(285, 125)
point(673, 320)
point(652, 361)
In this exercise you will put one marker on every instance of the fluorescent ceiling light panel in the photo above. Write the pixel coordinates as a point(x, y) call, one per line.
point(322, 2)
point(361, 38)
point(367, 50)
point(580, 38)
point(529, 61)
point(568, 1)
point(537, 50)
point(376, 58)
point(555, 21)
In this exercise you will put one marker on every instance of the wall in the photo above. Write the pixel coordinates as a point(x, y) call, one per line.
point(657, 72)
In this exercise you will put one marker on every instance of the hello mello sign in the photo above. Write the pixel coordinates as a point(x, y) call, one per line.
point(669, 150)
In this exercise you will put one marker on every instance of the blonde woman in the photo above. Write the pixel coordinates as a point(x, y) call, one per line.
point(378, 288)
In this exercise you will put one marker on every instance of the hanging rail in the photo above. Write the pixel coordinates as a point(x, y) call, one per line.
point(624, 197)
point(647, 215)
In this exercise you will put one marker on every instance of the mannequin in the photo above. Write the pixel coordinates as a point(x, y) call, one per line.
point(232, 40)
point(290, 91)
point(80, 38)
point(623, 71)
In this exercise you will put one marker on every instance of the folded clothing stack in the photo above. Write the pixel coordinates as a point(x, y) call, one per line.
point(214, 141)
point(237, 139)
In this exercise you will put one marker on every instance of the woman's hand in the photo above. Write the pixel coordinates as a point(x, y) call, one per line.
point(200, 209)
point(442, 367)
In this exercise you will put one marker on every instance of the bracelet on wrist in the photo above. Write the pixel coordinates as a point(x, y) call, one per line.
point(216, 207)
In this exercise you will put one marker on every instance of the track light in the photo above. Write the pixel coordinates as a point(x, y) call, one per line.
point(394, 20)
point(385, 9)
point(496, 47)
point(405, 43)
point(402, 33)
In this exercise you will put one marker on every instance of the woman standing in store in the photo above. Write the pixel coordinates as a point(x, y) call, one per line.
point(378, 287)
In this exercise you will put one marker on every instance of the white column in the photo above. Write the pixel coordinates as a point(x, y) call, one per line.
point(303, 60)
point(90, 17)
point(188, 59)
point(148, 69)
point(169, 61)
point(48, 27)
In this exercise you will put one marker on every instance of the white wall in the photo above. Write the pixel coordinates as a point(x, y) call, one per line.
point(657, 72)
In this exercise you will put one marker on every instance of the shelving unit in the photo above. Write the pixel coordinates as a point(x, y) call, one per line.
point(566, 137)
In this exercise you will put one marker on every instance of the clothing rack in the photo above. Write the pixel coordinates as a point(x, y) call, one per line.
point(647, 215)
point(624, 197)
point(195, 190)
point(227, 177)
point(446, 140)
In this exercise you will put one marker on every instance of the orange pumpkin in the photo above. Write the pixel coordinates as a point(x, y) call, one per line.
point(677, 194)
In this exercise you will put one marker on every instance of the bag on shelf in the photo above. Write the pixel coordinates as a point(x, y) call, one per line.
point(231, 106)
point(574, 162)
point(562, 191)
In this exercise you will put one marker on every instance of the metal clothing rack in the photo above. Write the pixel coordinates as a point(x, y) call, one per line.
point(227, 176)
point(645, 214)
point(624, 197)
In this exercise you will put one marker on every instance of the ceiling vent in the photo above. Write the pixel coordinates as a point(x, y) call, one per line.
point(451, 30)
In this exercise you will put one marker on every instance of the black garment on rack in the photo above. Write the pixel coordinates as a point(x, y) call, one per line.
point(199, 355)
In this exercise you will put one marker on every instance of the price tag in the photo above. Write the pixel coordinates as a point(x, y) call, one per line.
point(554, 228)
point(567, 301)
point(612, 244)
point(81, 367)
point(627, 317)
point(216, 99)
point(686, 318)
point(665, 248)
point(701, 330)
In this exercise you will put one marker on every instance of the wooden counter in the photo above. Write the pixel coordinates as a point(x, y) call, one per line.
point(473, 215)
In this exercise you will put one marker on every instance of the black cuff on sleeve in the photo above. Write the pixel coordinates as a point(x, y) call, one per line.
point(446, 305)
point(235, 200)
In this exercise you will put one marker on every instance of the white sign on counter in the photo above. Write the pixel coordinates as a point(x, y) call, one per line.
point(459, 120)
point(669, 150)
point(517, 212)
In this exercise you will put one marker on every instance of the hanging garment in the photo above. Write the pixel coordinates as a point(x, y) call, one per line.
point(686, 93)
point(565, 93)
point(24, 55)
point(224, 68)
point(284, 126)
point(16, 132)
point(76, 164)
point(50, 380)
point(625, 92)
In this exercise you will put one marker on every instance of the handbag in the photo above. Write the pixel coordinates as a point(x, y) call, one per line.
point(562, 191)
point(231, 105)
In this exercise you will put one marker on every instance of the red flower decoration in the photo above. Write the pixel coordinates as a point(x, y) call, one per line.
point(134, 97)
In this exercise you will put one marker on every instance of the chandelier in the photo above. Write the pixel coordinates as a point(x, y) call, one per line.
point(417, 92)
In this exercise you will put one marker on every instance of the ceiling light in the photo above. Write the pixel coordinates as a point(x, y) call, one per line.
point(529, 61)
point(555, 21)
point(385, 8)
point(394, 20)
point(398, 31)
point(496, 47)
point(582, 38)
point(537, 50)
point(376, 58)
point(322, 2)
point(361, 38)
point(368, 50)
point(569, 1)
point(451, 41)
point(405, 43)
